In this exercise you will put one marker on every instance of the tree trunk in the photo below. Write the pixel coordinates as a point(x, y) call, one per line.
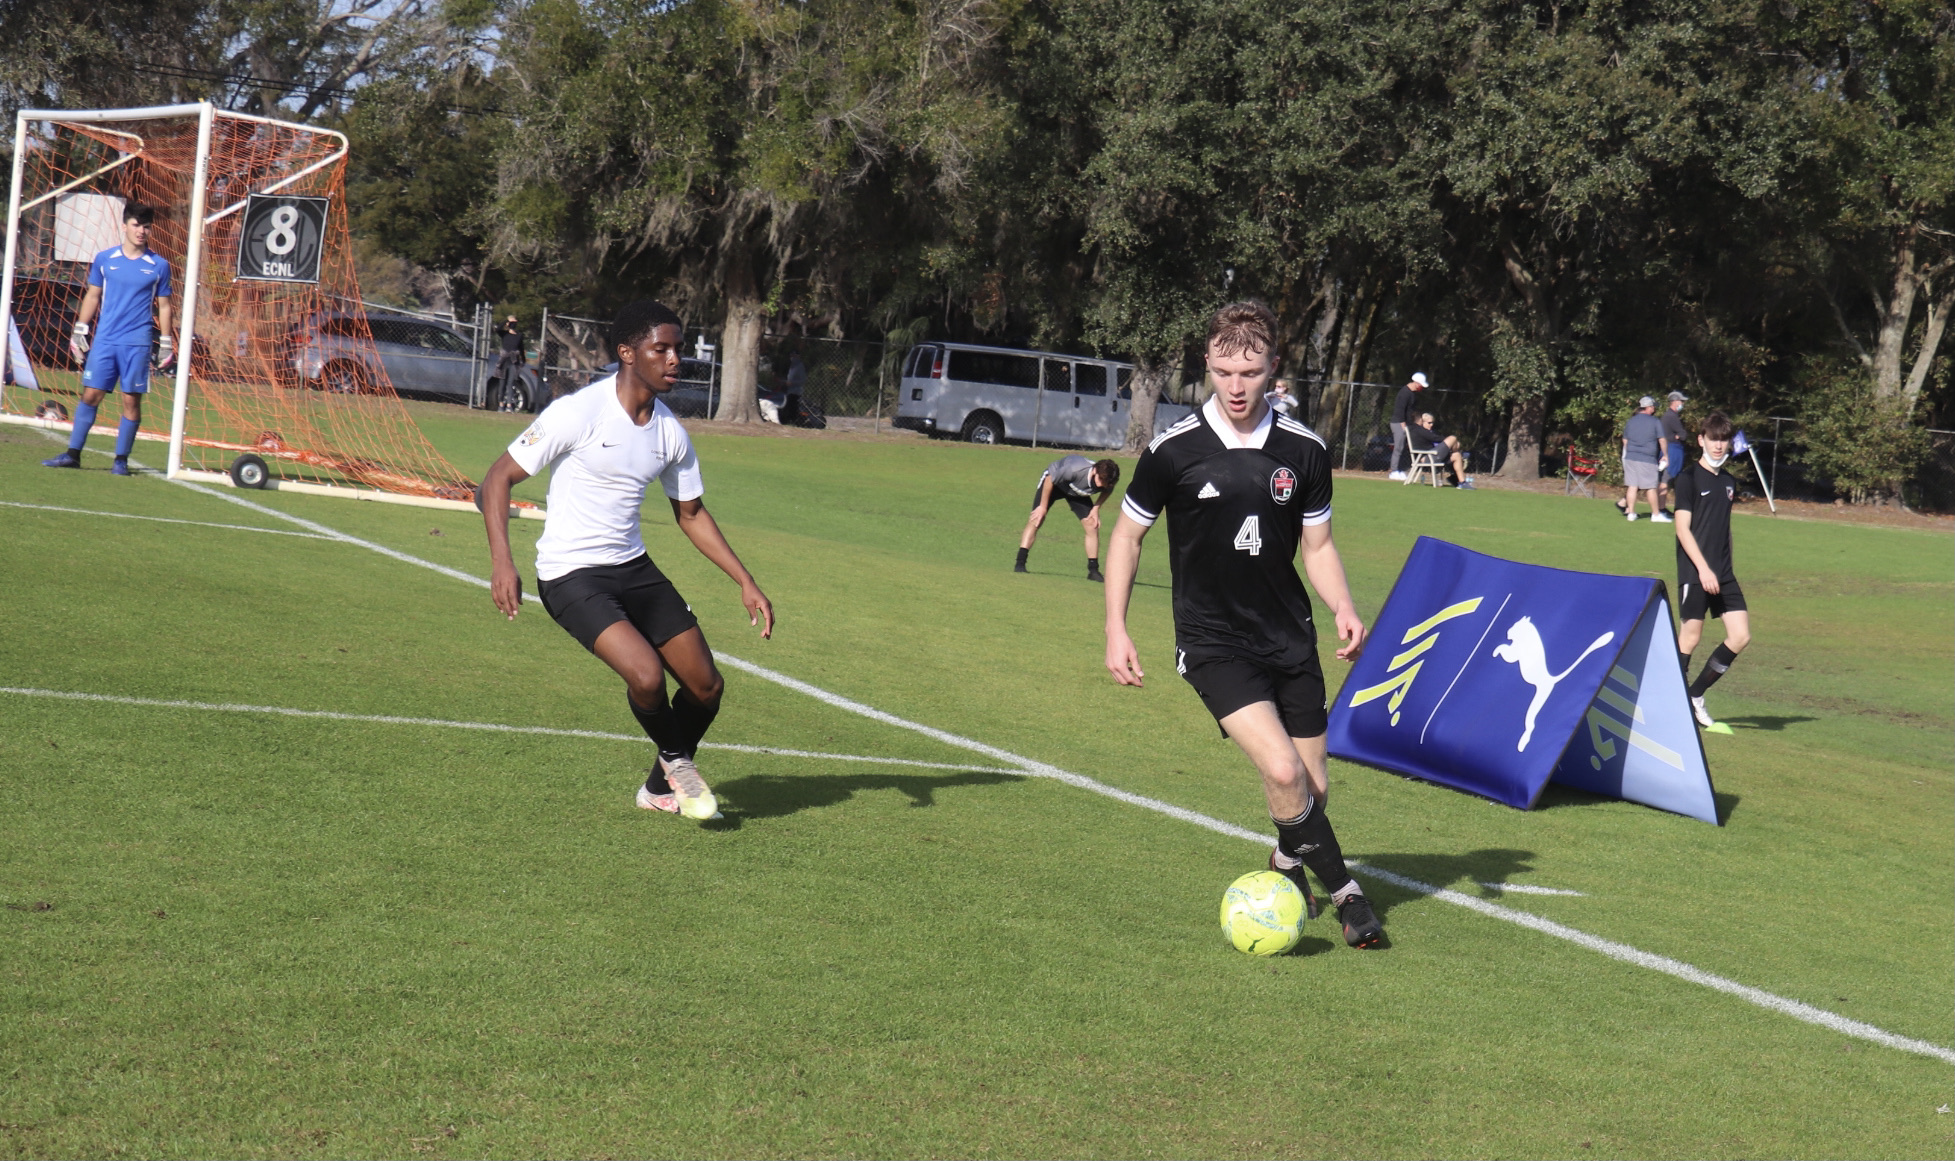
point(1895, 313)
point(740, 348)
point(1150, 378)
point(1938, 307)
point(1524, 434)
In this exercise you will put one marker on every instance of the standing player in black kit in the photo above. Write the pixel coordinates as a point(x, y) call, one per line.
point(1245, 491)
point(1706, 581)
point(603, 446)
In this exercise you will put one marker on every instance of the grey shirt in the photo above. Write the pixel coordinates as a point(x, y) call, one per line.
point(1072, 478)
point(1641, 434)
point(1672, 426)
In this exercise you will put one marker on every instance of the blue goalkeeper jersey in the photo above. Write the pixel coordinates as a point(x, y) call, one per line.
point(130, 288)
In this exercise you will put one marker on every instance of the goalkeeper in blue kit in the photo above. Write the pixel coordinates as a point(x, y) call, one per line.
point(126, 285)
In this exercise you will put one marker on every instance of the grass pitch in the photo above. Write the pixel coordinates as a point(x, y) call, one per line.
point(269, 935)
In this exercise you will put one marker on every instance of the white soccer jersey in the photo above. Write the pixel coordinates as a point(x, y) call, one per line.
point(601, 462)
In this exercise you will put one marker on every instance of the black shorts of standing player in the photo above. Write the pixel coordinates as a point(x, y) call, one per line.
point(590, 600)
point(1227, 684)
point(1081, 508)
point(1693, 602)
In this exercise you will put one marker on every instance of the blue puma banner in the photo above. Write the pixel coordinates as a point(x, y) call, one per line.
point(1496, 678)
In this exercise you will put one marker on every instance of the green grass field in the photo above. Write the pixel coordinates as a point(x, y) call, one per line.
point(248, 934)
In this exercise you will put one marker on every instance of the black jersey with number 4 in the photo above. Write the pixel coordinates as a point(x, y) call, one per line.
point(1707, 495)
point(1235, 520)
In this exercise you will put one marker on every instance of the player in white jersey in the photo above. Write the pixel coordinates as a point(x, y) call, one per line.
point(604, 446)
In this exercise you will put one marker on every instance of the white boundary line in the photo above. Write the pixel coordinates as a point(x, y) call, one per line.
point(1620, 952)
point(492, 727)
point(164, 520)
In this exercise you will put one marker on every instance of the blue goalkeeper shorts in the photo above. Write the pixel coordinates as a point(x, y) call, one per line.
point(123, 366)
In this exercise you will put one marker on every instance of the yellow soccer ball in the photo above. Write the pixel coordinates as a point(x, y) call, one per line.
point(1262, 914)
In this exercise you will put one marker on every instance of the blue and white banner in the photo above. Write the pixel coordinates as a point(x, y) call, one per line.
point(1496, 678)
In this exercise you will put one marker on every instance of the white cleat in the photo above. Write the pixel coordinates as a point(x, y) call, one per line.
point(1661, 518)
point(1703, 715)
point(667, 803)
point(1632, 517)
point(696, 801)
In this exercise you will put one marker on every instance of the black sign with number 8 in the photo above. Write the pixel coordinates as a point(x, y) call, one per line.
point(282, 238)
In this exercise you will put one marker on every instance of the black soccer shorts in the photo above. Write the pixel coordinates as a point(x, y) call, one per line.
point(590, 600)
point(1226, 684)
point(1693, 602)
point(1081, 508)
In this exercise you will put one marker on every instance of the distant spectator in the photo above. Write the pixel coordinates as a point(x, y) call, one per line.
point(797, 379)
point(1423, 438)
point(1644, 449)
point(1404, 408)
point(509, 361)
point(1282, 397)
point(1672, 418)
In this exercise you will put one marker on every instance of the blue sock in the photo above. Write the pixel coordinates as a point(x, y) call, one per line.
point(125, 437)
point(84, 419)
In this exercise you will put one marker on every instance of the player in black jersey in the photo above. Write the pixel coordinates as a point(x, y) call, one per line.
point(1245, 491)
point(1706, 581)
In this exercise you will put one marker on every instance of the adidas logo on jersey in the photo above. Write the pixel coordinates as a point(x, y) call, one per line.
point(1208, 492)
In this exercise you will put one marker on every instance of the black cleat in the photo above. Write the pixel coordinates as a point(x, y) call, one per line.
point(1094, 574)
point(1297, 875)
point(1020, 567)
point(1361, 926)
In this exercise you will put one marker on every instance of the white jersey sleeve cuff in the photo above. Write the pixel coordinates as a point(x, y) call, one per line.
point(1318, 517)
point(1138, 514)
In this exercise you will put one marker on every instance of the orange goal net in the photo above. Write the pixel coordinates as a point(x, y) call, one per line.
point(251, 214)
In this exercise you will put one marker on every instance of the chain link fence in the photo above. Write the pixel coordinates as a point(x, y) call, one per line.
point(1355, 420)
point(804, 380)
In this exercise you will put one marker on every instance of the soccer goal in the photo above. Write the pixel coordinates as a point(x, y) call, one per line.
point(277, 380)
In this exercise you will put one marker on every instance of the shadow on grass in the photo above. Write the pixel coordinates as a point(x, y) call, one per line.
point(1767, 721)
point(776, 796)
point(1557, 795)
point(1466, 872)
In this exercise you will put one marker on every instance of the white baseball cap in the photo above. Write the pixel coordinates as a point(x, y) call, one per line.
point(1419, 377)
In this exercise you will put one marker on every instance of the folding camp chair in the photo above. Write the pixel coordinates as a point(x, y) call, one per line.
point(1581, 475)
point(1426, 461)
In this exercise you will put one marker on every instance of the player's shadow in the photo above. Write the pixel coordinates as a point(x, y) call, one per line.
point(760, 796)
point(1771, 722)
point(1478, 873)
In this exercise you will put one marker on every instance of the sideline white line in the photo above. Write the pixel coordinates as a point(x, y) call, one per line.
point(1616, 951)
point(1529, 889)
point(493, 727)
point(165, 520)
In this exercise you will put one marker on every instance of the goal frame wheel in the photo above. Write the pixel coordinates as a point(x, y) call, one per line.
point(250, 471)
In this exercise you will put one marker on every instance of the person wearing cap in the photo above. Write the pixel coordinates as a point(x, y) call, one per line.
point(1405, 409)
point(1672, 419)
point(1644, 448)
point(509, 360)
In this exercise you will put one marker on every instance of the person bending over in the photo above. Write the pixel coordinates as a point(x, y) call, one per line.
point(1246, 491)
point(1085, 486)
point(125, 284)
point(603, 446)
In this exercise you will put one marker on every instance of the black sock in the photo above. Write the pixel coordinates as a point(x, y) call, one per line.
point(695, 718)
point(1721, 659)
point(1022, 554)
point(1685, 658)
point(1309, 837)
point(1092, 564)
point(662, 726)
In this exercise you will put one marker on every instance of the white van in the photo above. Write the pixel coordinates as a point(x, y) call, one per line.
point(992, 394)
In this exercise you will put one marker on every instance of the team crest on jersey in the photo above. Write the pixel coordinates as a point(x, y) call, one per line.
point(530, 437)
point(1283, 485)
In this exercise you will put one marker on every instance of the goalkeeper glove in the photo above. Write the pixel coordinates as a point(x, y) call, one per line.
point(165, 352)
point(78, 343)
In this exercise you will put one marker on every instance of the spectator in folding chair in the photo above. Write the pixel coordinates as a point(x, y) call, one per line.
point(1422, 438)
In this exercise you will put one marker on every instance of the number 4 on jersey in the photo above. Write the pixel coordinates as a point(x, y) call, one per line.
point(1249, 538)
